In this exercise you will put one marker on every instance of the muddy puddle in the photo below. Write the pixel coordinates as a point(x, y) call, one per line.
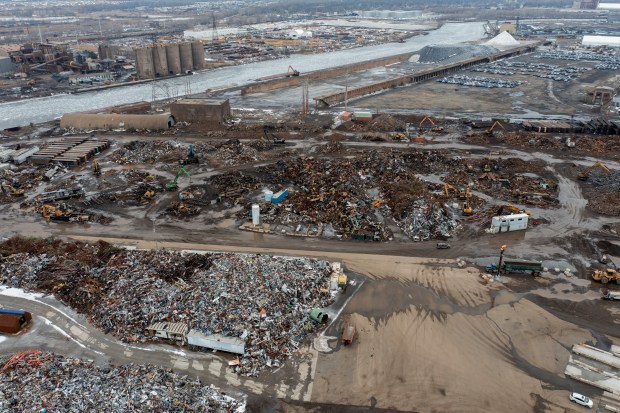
point(381, 298)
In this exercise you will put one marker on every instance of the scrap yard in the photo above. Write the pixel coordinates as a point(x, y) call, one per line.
point(386, 233)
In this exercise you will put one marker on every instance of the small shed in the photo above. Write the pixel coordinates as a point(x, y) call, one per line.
point(170, 331)
point(196, 339)
point(201, 110)
point(506, 223)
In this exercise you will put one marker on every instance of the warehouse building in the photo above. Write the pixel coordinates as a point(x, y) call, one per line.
point(117, 121)
point(201, 110)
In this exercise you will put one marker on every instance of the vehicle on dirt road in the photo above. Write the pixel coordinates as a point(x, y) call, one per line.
point(442, 245)
point(581, 399)
point(533, 267)
point(611, 295)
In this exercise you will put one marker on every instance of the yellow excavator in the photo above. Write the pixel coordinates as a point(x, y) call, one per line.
point(434, 127)
point(467, 209)
point(584, 175)
point(96, 168)
point(51, 212)
point(496, 123)
point(14, 191)
point(447, 188)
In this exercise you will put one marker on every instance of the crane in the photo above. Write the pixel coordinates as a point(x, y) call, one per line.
point(584, 175)
point(172, 185)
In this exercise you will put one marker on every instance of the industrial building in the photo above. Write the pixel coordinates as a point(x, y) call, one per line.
point(160, 60)
point(600, 95)
point(115, 121)
point(201, 110)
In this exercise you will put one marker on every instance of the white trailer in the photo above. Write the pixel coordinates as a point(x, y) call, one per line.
point(506, 223)
point(195, 338)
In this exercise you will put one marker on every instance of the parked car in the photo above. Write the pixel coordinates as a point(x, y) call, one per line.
point(442, 245)
point(581, 399)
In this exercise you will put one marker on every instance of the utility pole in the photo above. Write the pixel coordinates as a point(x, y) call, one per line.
point(501, 258)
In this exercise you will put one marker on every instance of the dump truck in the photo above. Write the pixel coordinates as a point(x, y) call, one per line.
point(611, 295)
point(533, 267)
point(348, 333)
point(605, 276)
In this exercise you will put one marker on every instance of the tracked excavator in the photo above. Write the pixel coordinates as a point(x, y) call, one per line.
point(583, 176)
point(172, 185)
point(51, 212)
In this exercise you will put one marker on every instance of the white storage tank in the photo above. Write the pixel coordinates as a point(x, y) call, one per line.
point(255, 214)
point(268, 195)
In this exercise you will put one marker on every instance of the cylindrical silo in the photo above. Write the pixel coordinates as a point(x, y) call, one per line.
point(144, 63)
point(198, 55)
point(160, 61)
point(255, 214)
point(185, 50)
point(268, 195)
point(174, 58)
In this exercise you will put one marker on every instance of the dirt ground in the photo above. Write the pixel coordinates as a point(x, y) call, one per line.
point(432, 338)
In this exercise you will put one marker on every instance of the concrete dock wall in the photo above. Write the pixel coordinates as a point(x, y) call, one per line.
point(437, 71)
point(323, 74)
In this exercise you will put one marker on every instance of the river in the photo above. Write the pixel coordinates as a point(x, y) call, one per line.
point(44, 109)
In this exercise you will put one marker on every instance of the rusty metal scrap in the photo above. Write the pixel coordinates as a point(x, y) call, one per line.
point(261, 299)
point(34, 380)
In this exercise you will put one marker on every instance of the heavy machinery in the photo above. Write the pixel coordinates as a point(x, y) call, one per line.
point(496, 123)
point(511, 209)
point(533, 267)
point(290, 73)
point(467, 209)
point(62, 213)
point(611, 295)
point(13, 191)
point(149, 194)
point(190, 157)
point(606, 276)
point(447, 188)
point(96, 168)
point(433, 127)
point(172, 185)
point(584, 175)
point(270, 136)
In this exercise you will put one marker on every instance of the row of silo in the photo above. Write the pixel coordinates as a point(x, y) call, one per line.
point(161, 60)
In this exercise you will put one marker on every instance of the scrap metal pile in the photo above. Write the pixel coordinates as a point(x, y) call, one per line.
point(354, 196)
point(605, 199)
point(34, 381)
point(261, 299)
point(478, 81)
point(233, 153)
point(510, 179)
point(548, 71)
point(148, 152)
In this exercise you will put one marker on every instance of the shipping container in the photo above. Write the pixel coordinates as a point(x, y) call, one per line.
point(279, 196)
point(215, 342)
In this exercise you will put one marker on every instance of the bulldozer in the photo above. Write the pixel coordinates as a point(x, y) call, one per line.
point(606, 276)
point(583, 176)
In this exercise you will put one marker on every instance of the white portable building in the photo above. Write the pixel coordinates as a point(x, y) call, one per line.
point(506, 223)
